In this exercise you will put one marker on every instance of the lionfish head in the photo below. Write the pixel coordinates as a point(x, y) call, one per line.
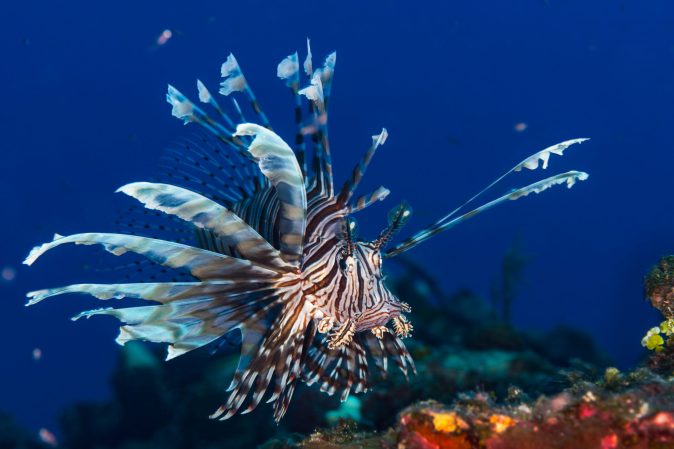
point(371, 305)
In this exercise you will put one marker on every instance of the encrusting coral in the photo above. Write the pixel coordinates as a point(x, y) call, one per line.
point(659, 289)
point(639, 415)
point(493, 386)
point(659, 286)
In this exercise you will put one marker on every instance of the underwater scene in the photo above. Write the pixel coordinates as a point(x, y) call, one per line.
point(337, 225)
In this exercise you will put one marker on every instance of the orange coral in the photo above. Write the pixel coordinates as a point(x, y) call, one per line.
point(571, 420)
point(433, 430)
point(448, 422)
point(501, 423)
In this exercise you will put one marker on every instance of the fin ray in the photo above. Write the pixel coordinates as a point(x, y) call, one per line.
point(210, 216)
point(201, 263)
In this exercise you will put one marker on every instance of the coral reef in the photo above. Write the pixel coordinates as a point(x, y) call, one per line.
point(659, 289)
point(505, 290)
point(493, 387)
point(586, 416)
point(637, 412)
point(658, 286)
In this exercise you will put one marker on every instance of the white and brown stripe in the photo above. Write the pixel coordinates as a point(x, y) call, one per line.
point(276, 257)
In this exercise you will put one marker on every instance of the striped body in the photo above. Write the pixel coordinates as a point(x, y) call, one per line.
point(350, 288)
point(276, 256)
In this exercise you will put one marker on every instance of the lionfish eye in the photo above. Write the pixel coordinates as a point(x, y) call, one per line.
point(342, 264)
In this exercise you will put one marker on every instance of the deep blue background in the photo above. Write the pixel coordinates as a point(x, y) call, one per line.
point(83, 112)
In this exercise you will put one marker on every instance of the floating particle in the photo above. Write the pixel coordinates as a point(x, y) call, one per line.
point(37, 354)
point(47, 437)
point(8, 274)
point(164, 37)
point(520, 127)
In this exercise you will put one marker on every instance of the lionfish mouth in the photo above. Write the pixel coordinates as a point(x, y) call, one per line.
point(264, 217)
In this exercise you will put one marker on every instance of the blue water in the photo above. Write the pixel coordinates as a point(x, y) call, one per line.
point(83, 112)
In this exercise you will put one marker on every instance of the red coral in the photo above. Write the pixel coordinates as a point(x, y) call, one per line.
point(586, 411)
point(610, 441)
point(566, 421)
point(419, 431)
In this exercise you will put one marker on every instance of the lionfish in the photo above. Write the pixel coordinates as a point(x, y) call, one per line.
point(277, 255)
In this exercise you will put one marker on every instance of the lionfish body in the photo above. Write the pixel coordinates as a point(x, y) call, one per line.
point(277, 256)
